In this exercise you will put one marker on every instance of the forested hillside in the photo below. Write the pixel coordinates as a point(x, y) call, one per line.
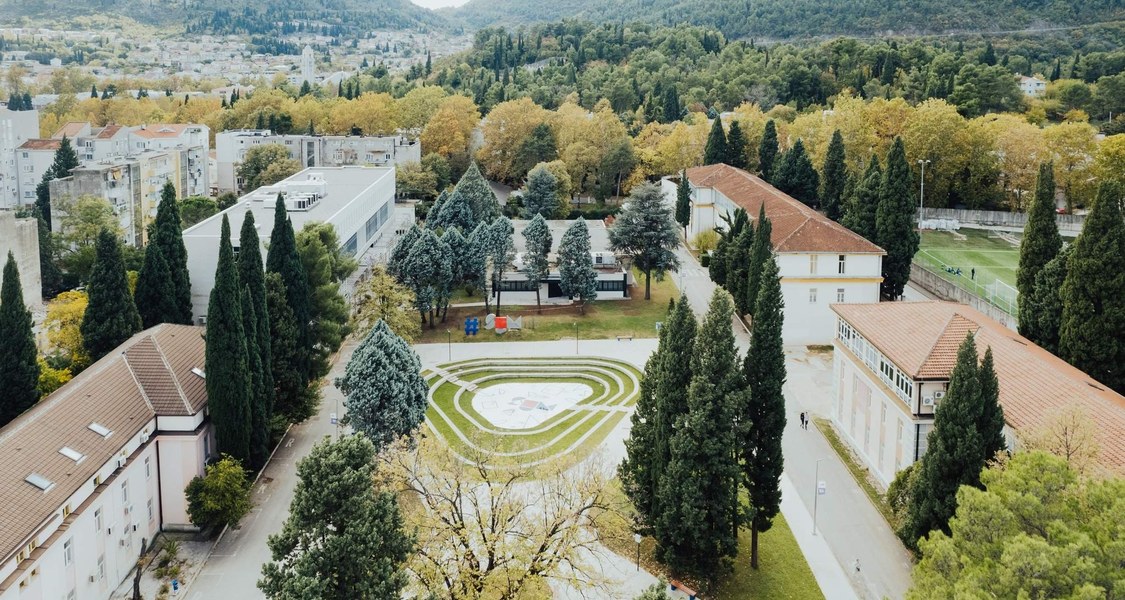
point(772, 19)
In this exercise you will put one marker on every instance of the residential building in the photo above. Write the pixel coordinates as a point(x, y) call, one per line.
point(16, 127)
point(891, 367)
point(1032, 86)
point(21, 238)
point(357, 201)
point(311, 151)
point(33, 157)
point(95, 470)
point(614, 276)
point(821, 262)
point(194, 143)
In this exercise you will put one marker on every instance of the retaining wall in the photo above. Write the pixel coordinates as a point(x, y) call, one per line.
point(947, 290)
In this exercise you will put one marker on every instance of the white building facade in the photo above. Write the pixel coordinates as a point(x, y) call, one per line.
point(1032, 86)
point(21, 238)
point(821, 262)
point(16, 127)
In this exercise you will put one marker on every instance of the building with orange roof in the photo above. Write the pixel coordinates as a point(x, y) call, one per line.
point(820, 261)
point(891, 368)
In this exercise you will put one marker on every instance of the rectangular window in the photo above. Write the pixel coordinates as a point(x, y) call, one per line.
point(812, 295)
point(98, 523)
point(812, 264)
point(151, 514)
point(68, 551)
point(101, 567)
point(840, 265)
point(351, 246)
point(125, 493)
point(148, 467)
point(839, 294)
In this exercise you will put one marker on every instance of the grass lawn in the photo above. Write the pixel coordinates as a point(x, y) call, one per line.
point(604, 319)
point(782, 571)
point(992, 257)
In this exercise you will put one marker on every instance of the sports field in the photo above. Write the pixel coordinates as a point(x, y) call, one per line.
point(983, 258)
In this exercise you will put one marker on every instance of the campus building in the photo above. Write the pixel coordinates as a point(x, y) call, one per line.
point(821, 262)
point(16, 127)
point(357, 201)
point(95, 470)
point(311, 151)
point(891, 368)
point(613, 279)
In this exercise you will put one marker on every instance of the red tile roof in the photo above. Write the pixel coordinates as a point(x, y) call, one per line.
point(796, 227)
point(1035, 386)
point(40, 144)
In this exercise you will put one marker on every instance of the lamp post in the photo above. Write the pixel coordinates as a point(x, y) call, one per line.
point(637, 538)
point(449, 343)
point(816, 494)
point(922, 191)
point(576, 337)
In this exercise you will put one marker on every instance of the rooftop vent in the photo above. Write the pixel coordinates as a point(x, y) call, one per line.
point(72, 454)
point(99, 429)
point(39, 481)
point(199, 372)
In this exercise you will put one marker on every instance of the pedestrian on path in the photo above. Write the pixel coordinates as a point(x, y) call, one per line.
point(804, 420)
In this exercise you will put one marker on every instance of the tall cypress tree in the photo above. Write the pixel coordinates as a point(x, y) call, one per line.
point(835, 178)
point(639, 471)
point(894, 221)
point(290, 386)
point(795, 175)
point(1045, 303)
point(168, 234)
point(760, 253)
point(716, 151)
point(762, 418)
point(252, 276)
point(955, 453)
point(65, 160)
point(111, 315)
point(1041, 243)
point(49, 273)
point(259, 423)
point(991, 424)
point(284, 260)
point(19, 366)
point(767, 151)
point(1092, 333)
point(699, 490)
point(683, 202)
point(862, 205)
point(229, 379)
point(155, 296)
point(738, 267)
point(736, 147)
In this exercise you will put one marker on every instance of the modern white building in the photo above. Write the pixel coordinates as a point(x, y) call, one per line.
point(821, 262)
point(16, 127)
point(99, 467)
point(21, 238)
point(614, 278)
point(891, 368)
point(311, 151)
point(1032, 86)
point(357, 201)
point(308, 65)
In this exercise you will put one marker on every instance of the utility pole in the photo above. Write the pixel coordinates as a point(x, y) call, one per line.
point(922, 191)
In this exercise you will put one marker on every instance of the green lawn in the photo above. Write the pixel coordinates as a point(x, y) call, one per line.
point(994, 260)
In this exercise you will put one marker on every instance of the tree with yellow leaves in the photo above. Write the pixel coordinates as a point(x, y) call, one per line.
point(504, 130)
point(416, 108)
point(1020, 149)
point(937, 133)
point(1072, 147)
point(1110, 157)
point(449, 132)
point(371, 114)
point(62, 324)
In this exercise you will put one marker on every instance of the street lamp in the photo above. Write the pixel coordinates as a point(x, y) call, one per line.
point(922, 192)
point(816, 494)
point(576, 337)
point(449, 343)
point(637, 538)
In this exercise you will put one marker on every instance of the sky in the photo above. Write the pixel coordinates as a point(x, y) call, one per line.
point(438, 3)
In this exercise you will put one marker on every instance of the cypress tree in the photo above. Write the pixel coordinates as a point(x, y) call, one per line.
point(835, 178)
point(168, 234)
point(762, 421)
point(760, 253)
point(738, 266)
point(65, 160)
point(1045, 303)
point(861, 207)
point(290, 386)
point(991, 424)
point(1041, 243)
point(955, 453)
point(716, 151)
point(19, 366)
point(736, 147)
point(1092, 332)
point(894, 222)
point(251, 276)
point(639, 471)
point(154, 295)
point(674, 380)
point(229, 380)
point(683, 202)
point(796, 176)
point(717, 270)
point(259, 423)
point(284, 260)
point(49, 273)
point(699, 490)
point(111, 315)
point(767, 151)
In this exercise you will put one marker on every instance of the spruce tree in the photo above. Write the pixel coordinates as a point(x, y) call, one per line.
point(762, 419)
point(698, 496)
point(894, 222)
point(715, 151)
point(154, 296)
point(283, 259)
point(537, 237)
point(455, 212)
point(402, 249)
point(251, 275)
point(1041, 243)
point(168, 234)
point(478, 194)
point(862, 206)
point(229, 381)
point(19, 366)
point(954, 456)
point(646, 230)
point(1092, 332)
point(259, 422)
point(760, 253)
point(111, 315)
point(578, 278)
point(835, 178)
point(683, 202)
point(767, 151)
point(1045, 303)
point(432, 215)
point(736, 147)
point(500, 249)
point(541, 196)
point(991, 424)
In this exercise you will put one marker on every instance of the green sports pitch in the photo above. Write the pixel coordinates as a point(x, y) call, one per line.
point(983, 262)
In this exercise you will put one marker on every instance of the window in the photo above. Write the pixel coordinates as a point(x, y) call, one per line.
point(840, 264)
point(151, 514)
point(101, 567)
point(812, 264)
point(148, 467)
point(812, 295)
point(66, 510)
point(610, 285)
point(839, 294)
point(125, 492)
point(515, 285)
point(68, 551)
point(98, 522)
point(351, 246)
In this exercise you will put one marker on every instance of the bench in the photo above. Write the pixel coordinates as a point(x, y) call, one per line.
point(678, 585)
point(627, 338)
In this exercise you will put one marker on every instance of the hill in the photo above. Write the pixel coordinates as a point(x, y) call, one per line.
point(773, 19)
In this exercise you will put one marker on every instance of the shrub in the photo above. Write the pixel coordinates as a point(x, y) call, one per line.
point(221, 497)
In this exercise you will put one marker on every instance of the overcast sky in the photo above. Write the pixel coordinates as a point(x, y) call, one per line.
point(438, 3)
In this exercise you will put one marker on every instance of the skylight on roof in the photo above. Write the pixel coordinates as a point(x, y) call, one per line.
point(199, 372)
point(99, 429)
point(72, 454)
point(39, 481)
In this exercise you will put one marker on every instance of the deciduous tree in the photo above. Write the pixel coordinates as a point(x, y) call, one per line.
point(381, 297)
point(221, 497)
point(266, 162)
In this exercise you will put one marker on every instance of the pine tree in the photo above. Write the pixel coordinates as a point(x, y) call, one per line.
point(767, 151)
point(955, 453)
point(168, 234)
point(698, 494)
point(538, 240)
point(19, 366)
point(284, 260)
point(760, 253)
point(541, 196)
point(344, 538)
point(683, 202)
point(894, 222)
point(252, 276)
point(646, 231)
point(1040, 244)
point(796, 176)
point(762, 421)
point(383, 388)
point(576, 265)
point(111, 315)
point(862, 206)
point(835, 178)
point(716, 151)
point(154, 295)
point(229, 383)
point(1092, 333)
point(991, 424)
point(736, 147)
point(1045, 304)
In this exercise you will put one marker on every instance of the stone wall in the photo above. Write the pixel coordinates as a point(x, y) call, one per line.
point(1069, 225)
point(21, 238)
point(947, 290)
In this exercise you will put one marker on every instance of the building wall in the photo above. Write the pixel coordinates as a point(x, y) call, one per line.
point(16, 127)
point(182, 457)
point(21, 238)
point(32, 164)
point(810, 283)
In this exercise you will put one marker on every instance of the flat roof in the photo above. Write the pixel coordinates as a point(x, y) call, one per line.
point(343, 185)
point(599, 234)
